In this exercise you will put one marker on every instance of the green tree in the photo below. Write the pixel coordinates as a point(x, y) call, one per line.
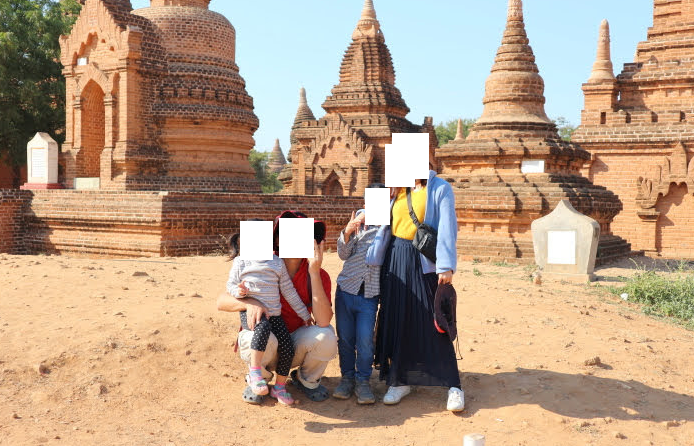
point(268, 180)
point(446, 131)
point(32, 87)
point(565, 128)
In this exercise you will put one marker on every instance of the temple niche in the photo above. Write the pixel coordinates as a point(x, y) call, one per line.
point(514, 168)
point(639, 130)
point(344, 151)
point(155, 100)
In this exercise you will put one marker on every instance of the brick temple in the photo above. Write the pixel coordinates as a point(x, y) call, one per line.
point(155, 100)
point(514, 168)
point(159, 126)
point(638, 127)
point(344, 151)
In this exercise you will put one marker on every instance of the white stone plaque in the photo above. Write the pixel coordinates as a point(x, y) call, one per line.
point(533, 166)
point(87, 183)
point(561, 247)
point(39, 163)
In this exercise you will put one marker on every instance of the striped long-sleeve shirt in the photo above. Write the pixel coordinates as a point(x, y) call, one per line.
point(265, 279)
point(355, 271)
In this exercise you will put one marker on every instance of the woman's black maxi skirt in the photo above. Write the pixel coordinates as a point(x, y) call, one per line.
point(409, 349)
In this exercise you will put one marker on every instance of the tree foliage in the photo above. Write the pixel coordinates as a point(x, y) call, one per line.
point(446, 131)
point(268, 180)
point(32, 87)
point(565, 128)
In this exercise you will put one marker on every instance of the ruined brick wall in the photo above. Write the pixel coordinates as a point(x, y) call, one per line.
point(12, 228)
point(127, 224)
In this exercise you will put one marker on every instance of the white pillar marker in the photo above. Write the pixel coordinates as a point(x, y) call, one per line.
point(296, 238)
point(474, 440)
point(255, 240)
point(377, 206)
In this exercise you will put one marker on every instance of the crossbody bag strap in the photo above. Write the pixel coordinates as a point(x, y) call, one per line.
point(413, 216)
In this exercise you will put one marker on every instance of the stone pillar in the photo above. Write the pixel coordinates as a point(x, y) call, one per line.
point(42, 163)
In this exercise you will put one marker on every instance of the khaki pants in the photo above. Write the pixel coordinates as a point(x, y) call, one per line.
point(314, 348)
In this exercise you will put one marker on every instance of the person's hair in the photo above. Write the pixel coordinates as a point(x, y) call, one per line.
point(234, 241)
point(376, 186)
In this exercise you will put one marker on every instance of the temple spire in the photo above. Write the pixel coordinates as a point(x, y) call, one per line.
point(276, 161)
point(303, 113)
point(602, 68)
point(367, 75)
point(368, 25)
point(514, 93)
point(459, 136)
point(515, 11)
point(369, 12)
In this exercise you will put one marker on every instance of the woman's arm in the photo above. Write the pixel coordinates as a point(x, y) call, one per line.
point(254, 309)
point(447, 236)
point(322, 309)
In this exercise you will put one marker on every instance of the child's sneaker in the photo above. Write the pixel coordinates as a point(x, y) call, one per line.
point(257, 384)
point(283, 397)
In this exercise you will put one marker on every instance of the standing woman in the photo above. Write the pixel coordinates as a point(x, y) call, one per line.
point(409, 349)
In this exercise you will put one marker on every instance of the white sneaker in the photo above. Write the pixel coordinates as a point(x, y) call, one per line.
point(456, 400)
point(395, 394)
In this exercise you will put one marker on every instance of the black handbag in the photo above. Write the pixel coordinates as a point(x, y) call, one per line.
point(425, 237)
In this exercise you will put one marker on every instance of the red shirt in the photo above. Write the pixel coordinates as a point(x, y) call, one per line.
point(300, 281)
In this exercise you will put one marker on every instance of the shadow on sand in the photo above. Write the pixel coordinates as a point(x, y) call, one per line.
point(575, 396)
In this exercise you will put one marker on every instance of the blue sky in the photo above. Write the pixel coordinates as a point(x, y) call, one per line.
point(442, 51)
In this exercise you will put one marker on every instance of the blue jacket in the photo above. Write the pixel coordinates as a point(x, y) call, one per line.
point(440, 214)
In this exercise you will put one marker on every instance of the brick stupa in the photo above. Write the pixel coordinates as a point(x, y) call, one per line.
point(155, 100)
point(344, 151)
point(276, 160)
point(497, 197)
point(639, 129)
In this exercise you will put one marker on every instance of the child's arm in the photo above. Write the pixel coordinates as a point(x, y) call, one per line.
point(345, 248)
point(234, 285)
point(290, 294)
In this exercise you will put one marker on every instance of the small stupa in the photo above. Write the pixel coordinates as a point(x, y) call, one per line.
point(276, 161)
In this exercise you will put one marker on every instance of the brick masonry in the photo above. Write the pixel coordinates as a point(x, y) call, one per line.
point(13, 205)
point(343, 152)
point(639, 130)
point(150, 224)
point(496, 202)
point(155, 100)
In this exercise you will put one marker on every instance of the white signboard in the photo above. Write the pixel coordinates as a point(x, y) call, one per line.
point(533, 166)
point(39, 164)
point(561, 247)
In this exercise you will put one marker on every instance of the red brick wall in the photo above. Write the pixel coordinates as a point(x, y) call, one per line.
point(12, 204)
point(674, 235)
point(116, 223)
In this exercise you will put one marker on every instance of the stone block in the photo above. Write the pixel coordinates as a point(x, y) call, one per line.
point(566, 243)
point(42, 163)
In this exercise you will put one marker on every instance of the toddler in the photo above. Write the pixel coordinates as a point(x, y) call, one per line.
point(263, 280)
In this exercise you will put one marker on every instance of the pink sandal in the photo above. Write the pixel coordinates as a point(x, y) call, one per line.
point(257, 384)
point(282, 396)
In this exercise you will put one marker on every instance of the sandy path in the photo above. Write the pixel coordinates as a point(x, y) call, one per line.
point(140, 360)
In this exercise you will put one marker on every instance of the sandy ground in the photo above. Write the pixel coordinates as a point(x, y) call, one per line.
point(133, 352)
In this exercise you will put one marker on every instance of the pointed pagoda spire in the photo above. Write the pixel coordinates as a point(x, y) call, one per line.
point(303, 113)
point(369, 12)
point(515, 90)
point(602, 68)
point(459, 135)
point(276, 160)
point(367, 75)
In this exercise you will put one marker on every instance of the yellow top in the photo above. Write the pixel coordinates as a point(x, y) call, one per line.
point(403, 227)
